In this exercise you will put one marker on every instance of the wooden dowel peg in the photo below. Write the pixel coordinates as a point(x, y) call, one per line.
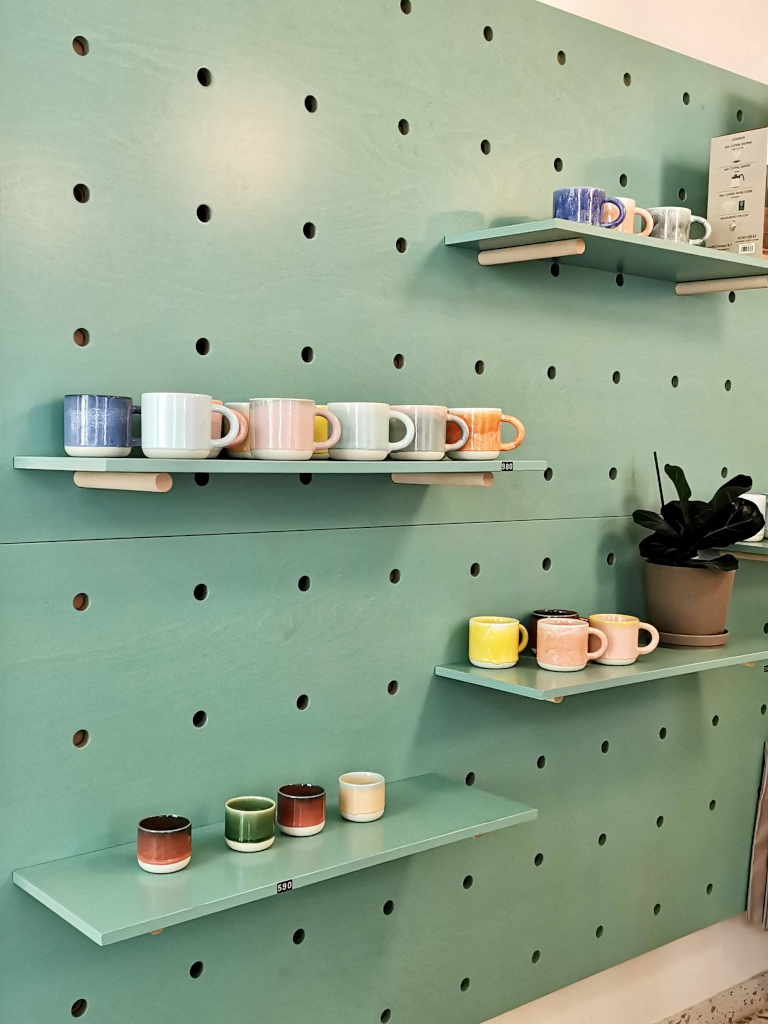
point(160, 483)
point(730, 284)
point(538, 251)
point(554, 700)
point(445, 479)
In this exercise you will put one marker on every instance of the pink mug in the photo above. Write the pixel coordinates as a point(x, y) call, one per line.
point(283, 429)
point(610, 212)
point(562, 645)
point(623, 632)
point(216, 419)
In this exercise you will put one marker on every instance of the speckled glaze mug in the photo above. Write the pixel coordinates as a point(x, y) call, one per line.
point(361, 796)
point(484, 434)
point(673, 223)
point(562, 645)
point(584, 204)
point(249, 823)
point(164, 843)
point(496, 641)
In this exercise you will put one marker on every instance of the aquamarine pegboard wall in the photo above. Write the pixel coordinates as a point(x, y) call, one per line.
point(249, 199)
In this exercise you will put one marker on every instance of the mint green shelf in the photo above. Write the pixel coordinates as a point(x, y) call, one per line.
point(528, 680)
point(618, 252)
point(65, 463)
point(758, 548)
point(107, 896)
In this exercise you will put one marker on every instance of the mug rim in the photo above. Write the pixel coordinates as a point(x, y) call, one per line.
point(270, 804)
point(374, 779)
point(177, 394)
point(92, 394)
point(383, 405)
point(555, 613)
point(164, 831)
point(494, 620)
point(309, 400)
point(318, 791)
point(417, 405)
point(564, 622)
point(615, 619)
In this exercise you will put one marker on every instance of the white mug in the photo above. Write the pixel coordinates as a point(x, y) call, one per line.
point(365, 431)
point(178, 425)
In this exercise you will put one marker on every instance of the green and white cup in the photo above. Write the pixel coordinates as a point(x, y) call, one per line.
point(249, 823)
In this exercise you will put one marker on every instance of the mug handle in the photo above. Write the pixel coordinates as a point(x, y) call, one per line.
point(647, 648)
point(410, 430)
point(647, 217)
point(463, 426)
point(509, 445)
point(242, 432)
point(524, 644)
point(591, 655)
point(707, 230)
point(622, 212)
point(136, 441)
point(234, 426)
point(335, 437)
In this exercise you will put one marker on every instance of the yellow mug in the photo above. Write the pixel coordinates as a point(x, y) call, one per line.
point(321, 434)
point(495, 641)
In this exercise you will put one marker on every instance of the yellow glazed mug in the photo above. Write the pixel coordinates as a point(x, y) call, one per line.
point(495, 641)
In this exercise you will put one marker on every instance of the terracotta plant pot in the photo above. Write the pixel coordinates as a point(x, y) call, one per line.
point(687, 601)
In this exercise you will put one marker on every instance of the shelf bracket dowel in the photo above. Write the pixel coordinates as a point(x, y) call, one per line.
point(161, 483)
point(729, 284)
point(538, 251)
point(445, 479)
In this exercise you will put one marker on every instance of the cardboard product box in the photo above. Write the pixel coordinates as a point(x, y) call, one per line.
point(737, 206)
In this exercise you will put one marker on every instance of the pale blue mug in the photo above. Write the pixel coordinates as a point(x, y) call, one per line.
point(585, 206)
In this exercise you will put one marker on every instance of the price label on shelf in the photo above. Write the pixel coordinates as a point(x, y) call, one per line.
point(507, 467)
point(285, 886)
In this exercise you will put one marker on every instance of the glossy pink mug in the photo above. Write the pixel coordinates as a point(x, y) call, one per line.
point(623, 638)
point(283, 429)
point(562, 645)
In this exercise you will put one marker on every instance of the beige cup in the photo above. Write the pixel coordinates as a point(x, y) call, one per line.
point(361, 796)
point(562, 645)
point(623, 632)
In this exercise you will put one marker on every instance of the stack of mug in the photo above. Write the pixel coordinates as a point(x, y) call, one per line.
point(189, 426)
point(588, 205)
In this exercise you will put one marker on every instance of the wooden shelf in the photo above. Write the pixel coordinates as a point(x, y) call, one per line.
point(528, 680)
point(107, 896)
point(618, 252)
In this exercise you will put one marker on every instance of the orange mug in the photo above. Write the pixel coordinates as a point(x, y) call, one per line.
point(611, 212)
point(562, 645)
point(484, 441)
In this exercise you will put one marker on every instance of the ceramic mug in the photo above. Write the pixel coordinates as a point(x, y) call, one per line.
point(547, 613)
point(484, 434)
point(301, 809)
point(216, 419)
point(563, 644)
point(623, 633)
point(249, 823)
point(361, 796)
point(99, 426)
point(585, 206)
point(611, 212)
point(496, 641)
point(241, 449)
point(177, 425)
point(365, 431)
point(429, 442)
point(674, 224)
point(759, 500)
point(164, 843)
point(283, 429)
point(321, 434)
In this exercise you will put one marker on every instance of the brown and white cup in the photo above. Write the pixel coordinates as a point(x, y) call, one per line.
point(164, 843)
point(301, 809)
point(361, 796)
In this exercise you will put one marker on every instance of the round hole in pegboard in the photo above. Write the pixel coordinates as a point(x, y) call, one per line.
point(304, 583)
point(712, 804)
point(468, 881)
point(81, 193)
point(715, 720)
point(620, 280)
point(555, 270)
point(657, 909)
point(203, 213)
point(386, 1016)
point(731, 296)
point(302, 702)
point(479, 366)
point(464, 984)
point(602, 839)
point(485, 146)
point(541, 761)
point(469, 779)
point(605, 746)
point(561, 57)
point(401, 244)
point(388, 907)
point(474, 569)
point(202, 346)
point(627, 78)
point(406, 6)
point(309, 229)
point(558, 165)
point(763, 708)
point(682, 194)
point(403, 126)
point(623, 179)
point(201, 479)
point(305, 478)
point(710, 887)
point(399, 361)
point(552, 372)
point(616, 377)
point(535, 956)
point(80, 46)
point(196, 969)
point(739, 115)
point(394, 576)
point(298, 936)
point(80, 738)
point(663, 733)
point(728, 385)
point(610, 558)
point(78, 1008)
point(199, 719)
point(660, 821)
point(675, 381)
point(548, 474)
point(546, 565)
point(392, 687)
point(724, 472)
point(599, 932)
point(538, 860)
point(307, 354)
point(686, 98)
point(200, 592)
point(204, 76)
point(613, 473)
point(80, 602)
point(488, 33)
point(81, 337)
point(310, 104)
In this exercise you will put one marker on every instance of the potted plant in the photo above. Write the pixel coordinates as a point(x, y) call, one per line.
point(688, 580)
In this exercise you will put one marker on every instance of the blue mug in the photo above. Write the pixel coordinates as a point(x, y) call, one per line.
point(99, 426)
point(585, 206)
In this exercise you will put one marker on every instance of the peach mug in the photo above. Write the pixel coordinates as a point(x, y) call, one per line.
point(283, 429)
point(241, 449)
point(216, 418)
point(562, 645)
point(496, 641)
point(484, 433)
point(361, 796)
point(610, 212)
point(622, 632)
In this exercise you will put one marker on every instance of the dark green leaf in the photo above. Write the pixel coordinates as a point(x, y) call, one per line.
point(677, 476)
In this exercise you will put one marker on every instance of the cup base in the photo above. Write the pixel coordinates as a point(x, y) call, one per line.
point(475, 456)
point(358, 455)
point(281, 454)
point(304, 830)
point(94, 452)
point(176, 453)
point(616, 661)
point(561, 668)
point(418, 456)
point(363, 817)
point(501, 664)
point(249, 847)
point(320, 455)
point(164, 869)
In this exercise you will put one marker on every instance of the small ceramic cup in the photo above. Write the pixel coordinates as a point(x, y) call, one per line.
point(164, 843)
point(484, 434)
point(99, 426)
point(563, 644)
point(361, 796)
point(623, 633)
point(759, 500)
point(673, 223)
point(495, 641)
point(429, 442)
point(611, 212)
point(283, 429)
point(301, 809)
point(177, 425)
point(547, 613)
point(240, 449)
point(584, 204)
point(249, 823)
point(365, 431)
